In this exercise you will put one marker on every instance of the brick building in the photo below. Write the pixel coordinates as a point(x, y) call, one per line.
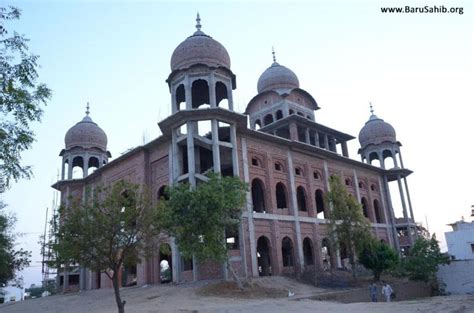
point(285, 156)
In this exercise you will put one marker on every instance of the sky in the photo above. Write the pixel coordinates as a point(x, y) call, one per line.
point(417, 70)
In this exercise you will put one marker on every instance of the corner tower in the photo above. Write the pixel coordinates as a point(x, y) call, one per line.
point(203, 122)
point(85, 147)
point(378, 141)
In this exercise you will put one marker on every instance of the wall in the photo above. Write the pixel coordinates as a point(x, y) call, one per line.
point(458, 276)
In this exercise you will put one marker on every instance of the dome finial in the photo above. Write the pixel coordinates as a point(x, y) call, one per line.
point(371, 108)
point(198, 22)
point(87, 109)
point(273, 52)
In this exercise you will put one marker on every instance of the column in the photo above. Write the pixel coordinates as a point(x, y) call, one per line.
point(326, 142)
point(69, 171)
point(345, 151)
point(190, 151)
point(306, 136)
point(230, 98)
point(405, 213)
point(215, 146)
point(187, 93)
point(235, 158)
point(174, 105)
point(388, 210)
point(253, 246)
point(316, 138)
point(212, 91)
point(294, 204)
point(293, 131)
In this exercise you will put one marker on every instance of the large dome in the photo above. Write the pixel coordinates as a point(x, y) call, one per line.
point(376, 131)
point(199, 49)
point(277, 77)
point(86, 134)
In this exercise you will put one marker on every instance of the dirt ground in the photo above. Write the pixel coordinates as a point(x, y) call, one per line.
point(195, 298)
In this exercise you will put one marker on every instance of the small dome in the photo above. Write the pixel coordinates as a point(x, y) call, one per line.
point(277, 77)
point(376, 131)
point(86, 134)
point(199, 49)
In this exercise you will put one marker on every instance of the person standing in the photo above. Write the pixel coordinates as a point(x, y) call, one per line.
point(387, 291)
point(373, 291)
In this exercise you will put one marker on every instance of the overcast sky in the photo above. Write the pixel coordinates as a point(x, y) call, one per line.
point(417, 69)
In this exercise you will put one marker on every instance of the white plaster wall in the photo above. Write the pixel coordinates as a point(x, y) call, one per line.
point(458, 277)
point(459, 243)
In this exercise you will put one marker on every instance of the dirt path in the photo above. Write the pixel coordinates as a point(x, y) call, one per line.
point(183, 299)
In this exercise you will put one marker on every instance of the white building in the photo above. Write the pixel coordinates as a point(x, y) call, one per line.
point(458, 276)
point(461, 240)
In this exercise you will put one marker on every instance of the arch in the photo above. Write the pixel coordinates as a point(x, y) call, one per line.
point(287, 252)
point(378, 212)
point(162, 193)
point(291, 112)
point(258, 195)
point(308, 117)
point(348, 182)
point(361, 184)
point(299, 171)
point(281, 196)
point(264, 259)
point(300, 114)
point(374, 159)
point(308, 251)
point(279, 115)
point(221, 94)
point(257, 125)
point(268, 119)
point(199, 93)
point(256, 161)
point(373, 187)
point(301, 198)
point(316, 175)
point(77, 163)
point(279, 167)
point(365, 207)
point(319, 196)
point(326, 254)
point(165, 264)
point(92, 165)
point(180, 97)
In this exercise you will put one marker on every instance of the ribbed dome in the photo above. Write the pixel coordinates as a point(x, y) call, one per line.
point(277, 77)
point(376, 131)
point(86, 134)
point(199, 49)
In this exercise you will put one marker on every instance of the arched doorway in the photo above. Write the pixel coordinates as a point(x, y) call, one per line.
point(326, 254)
point(308, 252)
point(166, 272)
point(287, 252)
point(258, 196)
point(264, 260)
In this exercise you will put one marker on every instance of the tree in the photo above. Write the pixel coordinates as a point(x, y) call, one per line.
point(12, 260)
point(21, 99)
point(423, 259)
point(108, 232)
point(349, 229)
point(377, 256)
point(199, 217)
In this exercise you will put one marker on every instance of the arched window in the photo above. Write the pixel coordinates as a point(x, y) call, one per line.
point(200, 93)
point(308, 251)
point(378, 212)
point(92, 165)
point(365, 207)
point(166, 272)
point(287, 252)
point(257, 125)
point(279, 115)
point(162, 194)
point(361, 184)
point(281, 196)
point(291, 111)
point(256, 162)
point(278, 167)
point(268, 119)
point(301, 198)
point(221, 94)
point(319, 203)
point(263, 256)
point(258, 196)
point(298, 171)
point(373, 187)
point(348, 182)
point(77, 167)
point(316, 175)
point(180, 98)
